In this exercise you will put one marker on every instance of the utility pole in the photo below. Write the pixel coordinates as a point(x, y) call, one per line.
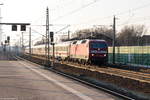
point(22, 40)
point(8, 42)
point(114, 38)
point(22, 44)
point(68, 35)
point(30, 42)
point(47, 48)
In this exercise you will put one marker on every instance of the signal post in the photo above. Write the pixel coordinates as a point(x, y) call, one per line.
point(53, 47)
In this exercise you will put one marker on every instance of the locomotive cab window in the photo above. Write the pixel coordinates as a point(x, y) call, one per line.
point(98, 45)
point(84, 41)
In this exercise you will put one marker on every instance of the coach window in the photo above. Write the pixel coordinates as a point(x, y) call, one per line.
point(74, 42)
point(56, 48)
point(65, 48)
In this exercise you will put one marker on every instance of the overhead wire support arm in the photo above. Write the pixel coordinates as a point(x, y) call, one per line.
point(14, 23)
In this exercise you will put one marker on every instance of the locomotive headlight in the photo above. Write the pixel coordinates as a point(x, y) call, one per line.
point(104, 55)
point(92, 54)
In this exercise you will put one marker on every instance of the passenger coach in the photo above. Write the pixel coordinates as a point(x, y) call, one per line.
point(82, 51)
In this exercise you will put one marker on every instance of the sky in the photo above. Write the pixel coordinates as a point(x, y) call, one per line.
point(78, 14)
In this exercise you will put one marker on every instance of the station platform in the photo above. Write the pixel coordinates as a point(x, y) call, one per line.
point(21, 80)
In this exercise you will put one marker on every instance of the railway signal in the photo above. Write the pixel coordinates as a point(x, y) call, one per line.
point(8, 39)
point(52, 36)
point(14, 27)
point(23, 28)
point(5, 41)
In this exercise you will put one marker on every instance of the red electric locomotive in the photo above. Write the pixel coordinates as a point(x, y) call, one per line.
point(91, 51)
point(98, 51)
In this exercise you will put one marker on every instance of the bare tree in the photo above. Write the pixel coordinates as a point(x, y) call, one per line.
point(94, 32)
point(130, 35)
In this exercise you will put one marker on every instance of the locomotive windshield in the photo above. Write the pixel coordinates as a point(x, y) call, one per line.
point(98, 45)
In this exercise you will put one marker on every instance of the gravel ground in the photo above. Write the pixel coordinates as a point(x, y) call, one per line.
point(132, 87)
point(124, 85)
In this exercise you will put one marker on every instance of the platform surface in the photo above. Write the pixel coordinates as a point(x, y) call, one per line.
point(20, 80)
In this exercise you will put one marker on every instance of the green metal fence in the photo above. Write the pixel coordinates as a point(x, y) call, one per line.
point(139, 55)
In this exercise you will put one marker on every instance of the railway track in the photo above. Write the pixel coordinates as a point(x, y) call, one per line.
point(142, 77)
point(117, 94)
point(129, 74)
point(139, 76)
